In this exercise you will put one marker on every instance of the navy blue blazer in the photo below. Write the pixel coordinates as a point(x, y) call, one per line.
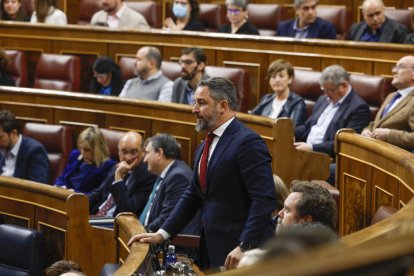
point(352, 113)
point(294, 108)
point(32, 162)
point(92, 179)
point(174, 184)
point(239, 197)
point(318, 29)
point(127, 199)
point(392, 32)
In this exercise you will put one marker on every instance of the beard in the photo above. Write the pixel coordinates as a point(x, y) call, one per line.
point(188, 75)
point(206, 124)
point(143, 72)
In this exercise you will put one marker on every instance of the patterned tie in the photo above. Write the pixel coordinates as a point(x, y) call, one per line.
point(204, 161)
point(146, 212)
point(109, 203)
point(391, 103)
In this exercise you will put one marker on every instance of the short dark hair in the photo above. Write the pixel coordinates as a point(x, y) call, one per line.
point(316, 202)
point(61, 267)
point(280, 65)
point(221, 89)
point(198, 53)
point(8, 121)
point(167, 143)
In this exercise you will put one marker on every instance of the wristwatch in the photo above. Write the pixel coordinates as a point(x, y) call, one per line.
point(244, 246)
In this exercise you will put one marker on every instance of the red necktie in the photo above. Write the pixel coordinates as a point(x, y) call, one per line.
point(203, 162)
point(109, 203)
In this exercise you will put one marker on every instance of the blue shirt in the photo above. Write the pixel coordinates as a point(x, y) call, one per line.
point(370, 36)
point(105, 90)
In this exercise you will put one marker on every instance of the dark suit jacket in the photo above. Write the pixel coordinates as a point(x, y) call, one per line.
point(32, 162)
point(92, 179)
point(239, 197)
point(178, 93)
point(127, 199)
point(319, 29)
point(175, 182)
point(393, 31)
point(352, 113)
point(246, 28)
point(294, 108)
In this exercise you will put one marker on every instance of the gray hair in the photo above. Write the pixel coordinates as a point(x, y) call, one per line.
point(167, 143)
point(221, 89)
point(335, 74)
point(299, 3)
point(239, 3)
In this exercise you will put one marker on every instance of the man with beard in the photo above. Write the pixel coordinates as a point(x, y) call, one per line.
point(150, 84)
point(308, 202)
point(128, 184)
point(376, 27)
point(307, 24)
point(232, 183)
point(116, 14)
point(192, 62)
point(21, 156)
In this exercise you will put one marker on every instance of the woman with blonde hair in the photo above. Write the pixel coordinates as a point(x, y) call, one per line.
point(45, 11)
point(88, 165)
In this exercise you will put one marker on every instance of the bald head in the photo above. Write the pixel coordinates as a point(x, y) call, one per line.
point(373, 11)
point(403, 73)
point(130, 148)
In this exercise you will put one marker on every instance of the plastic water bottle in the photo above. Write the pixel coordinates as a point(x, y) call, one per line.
point(171, 258)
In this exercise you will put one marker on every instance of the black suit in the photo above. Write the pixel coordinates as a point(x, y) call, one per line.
point(127, 199)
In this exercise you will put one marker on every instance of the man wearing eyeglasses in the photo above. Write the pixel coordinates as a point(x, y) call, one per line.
point(394, 122)
point(307, 24)
point(340, 107)
point(377, 27)
point(192, 62)
point(129, 183)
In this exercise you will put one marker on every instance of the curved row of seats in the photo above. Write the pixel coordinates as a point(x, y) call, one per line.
point(62, 72)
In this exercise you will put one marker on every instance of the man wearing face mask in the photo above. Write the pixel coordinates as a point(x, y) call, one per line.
point(185, 16)
point(192, 62)
point(116, 14)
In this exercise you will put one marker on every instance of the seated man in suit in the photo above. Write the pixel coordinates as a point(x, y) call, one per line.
point(116, 14)
point(192, 62)
point(340, 107)
point(150, 84)
point(307, 24)
point(162, 155)
point(394, 122)
point(377, 27)
point(21, 156)
point(128, 184)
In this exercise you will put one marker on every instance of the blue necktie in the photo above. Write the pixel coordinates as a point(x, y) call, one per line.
point(147, 209)
point(391, 103)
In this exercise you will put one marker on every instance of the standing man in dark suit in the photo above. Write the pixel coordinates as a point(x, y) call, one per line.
point(235, 191)
point(128, 184)
point(193, 63)
point(163, 157)
point(307, 24)
point(376, 27)
point(340, 107)
point(21, 156)
point(394, 122)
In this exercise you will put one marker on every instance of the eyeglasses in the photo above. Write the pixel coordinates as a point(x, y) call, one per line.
point(402, 66)
point(307, 8)
point(330, 91)
point(186, 61)
point(371, 15)
point(99, 76)
point(233, 11)
point(133, 152)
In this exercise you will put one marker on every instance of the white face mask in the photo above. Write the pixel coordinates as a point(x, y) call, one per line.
point(179, 10)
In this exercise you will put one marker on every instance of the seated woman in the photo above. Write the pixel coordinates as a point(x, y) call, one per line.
point(12, 10)
point(87, 167)
point(282, 102)
point(45, 11)
point(185, 16)
point(106, 77)
point(237, 15)
point(5, 79)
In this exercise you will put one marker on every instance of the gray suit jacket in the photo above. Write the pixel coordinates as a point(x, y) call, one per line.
point(178, 94)
point(400, 120)
point(130, 19)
